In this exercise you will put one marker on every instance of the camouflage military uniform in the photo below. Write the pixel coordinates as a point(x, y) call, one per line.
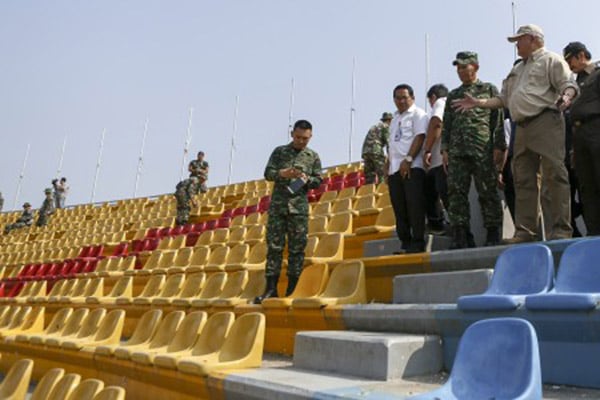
point(184, 194)
point(288, 213)
point(46, 210)
point(199, 169)
point(469, 138)
point(26, 219)
point(1, 202)
point(373, 155)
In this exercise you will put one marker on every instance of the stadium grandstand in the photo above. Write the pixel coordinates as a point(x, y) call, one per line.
point(113, 301)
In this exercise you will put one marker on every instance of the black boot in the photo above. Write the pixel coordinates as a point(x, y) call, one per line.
point(292, 281)
point(270, 291)
point(493, 236)
point(459, 238)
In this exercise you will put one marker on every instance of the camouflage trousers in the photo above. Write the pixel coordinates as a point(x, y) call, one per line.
point(460, 171)
point(42, 220)
point(373, 168)
point(16, 225)
point(183, 215)
point(295, 227)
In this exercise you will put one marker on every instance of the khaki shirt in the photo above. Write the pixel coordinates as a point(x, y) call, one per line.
point(536, 84)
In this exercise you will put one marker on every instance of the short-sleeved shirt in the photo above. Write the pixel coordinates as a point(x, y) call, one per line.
point(404, 128)
point(437, 110)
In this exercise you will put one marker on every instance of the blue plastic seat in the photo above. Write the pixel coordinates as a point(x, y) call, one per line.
point(496, 359)
point(519, 271)
point(577, 286)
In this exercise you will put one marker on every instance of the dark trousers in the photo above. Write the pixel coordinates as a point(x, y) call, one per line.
point(509, 186)
point(587, 166)
point(436, 190)
point(408, 201)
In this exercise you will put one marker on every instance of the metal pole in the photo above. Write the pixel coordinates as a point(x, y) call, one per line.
point(427, 67)
point(514, 23)
point(62, 156)
point(188, 140)
point(98, 164)
point(21, 175)
point(232, 152)
point(140, 160)
point(291, 111)
point(352, 110)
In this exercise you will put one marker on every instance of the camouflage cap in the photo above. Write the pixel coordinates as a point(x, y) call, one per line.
point(25, 205)
point(465, 58)
point(386, 116)
point(529, 29)
point(573, 48)
point(48, 191)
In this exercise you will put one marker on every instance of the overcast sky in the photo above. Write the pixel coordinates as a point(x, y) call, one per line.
point(73, 68)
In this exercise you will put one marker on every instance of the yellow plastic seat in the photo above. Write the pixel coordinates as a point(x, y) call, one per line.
point(330, 248)
point(88, 327)
point(16, 382)
point(164, 333)
point(381, 202)
point(87, 390)
point(32, 322)
point(199, 259)
point(317, 225)
point(212, 288)
point(256, 234)
point(23, 294)
point(254, 287)
point(219, 238)
point(108, 332)
point(18, 318)
point(38, 289)
point(151, 263)
point(257, 259)
point(209, 341)
point(328, 197)
point(144, 330)
point(101, 267)
point(346, 193)
point(340, 223)
point(111, 393)
point(347, 285)
point(343, 205)
point(165, 261)
point(236, 282)
point(243, 348)
point(77, 291)
point(204, 239)
point(366, 190)
point(311, 246)
point(70, 327)
point(252, 219)
point(122, 288)
point(54, 326)
point(237, 235)
point(171, 288)
point(311, 283)
point(191, 288)
point(363, 205)
point(321, 208)
point(151, 289)
point(385, 222)
point(216, 261)
point(94, 288)
point(238, 255)
point(64, 387)
point(184, 338)
point(47, 383)
point(382, 189)
point(180, 262)
point(238, 220)
point(65, 289)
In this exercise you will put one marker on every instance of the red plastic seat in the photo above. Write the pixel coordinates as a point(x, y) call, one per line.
point(163, 232)
point(152, 233)
point(176, 230)
point(76, 268)
point(210, 225)
point(191, 239)
point(337, 178)
point(41, 272)
point(185, 229)
point(352, 176)
point(355, 182)
point(223, 223)
point(52, 271)
point(337, 186)
point(23, 272)
point(227, 213)
point(199, 227)
point(16, 289)
point(251, 209)
point(66, 269)
point(120, 250)
point(238, 211)
point(85, 252)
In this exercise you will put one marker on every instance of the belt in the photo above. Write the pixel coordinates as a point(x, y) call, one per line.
point(527, 120)
point(586, 119)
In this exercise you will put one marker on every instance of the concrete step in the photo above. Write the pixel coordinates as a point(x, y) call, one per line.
point(380, 356)
point(440, 287)
point(386, 247)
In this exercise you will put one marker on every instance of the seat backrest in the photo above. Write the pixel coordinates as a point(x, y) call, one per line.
point(168, 259)
point(497, 358)
point(318, 224)
point(127, 263)
point(94, 288)
point(79, 288)
point(245, 339)
point(19, 317)
point(16, 382)
point(220, 235)
point(172, 285)
point(524, 269)
point(386, 217)
point(342, 205)
point(34, 321)
point(238, 254)
point(146, 327)
point(578, 269)
point(256, 232)
point(214, 333)
point(344, 279)
point(312, 281)
point(91, 323)
point(57, 287)
point(73, 323)
point(188, 331)
point(200, 256)
point(64, 387)
point(330, 245)
point(341, 223)
point(58, 321)
point(111, 393)
point(47, 383)
point(87, 390)
point(258, 253)
point(255, 286)
point(236, 282)
point(213, 286)
point(122, 288)
point(166, 329)
point(218, 255)
point(311, 246)
point(183, 257)
point(193, 285)
point(205, 238)
point(153, 286)
point(111, 326)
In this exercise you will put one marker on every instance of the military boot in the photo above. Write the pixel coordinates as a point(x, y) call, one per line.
point(292, 281)
point(493, 236)
point(459, 238)
point(270, 291)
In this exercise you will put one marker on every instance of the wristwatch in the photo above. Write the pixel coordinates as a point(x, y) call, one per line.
point(409, 159)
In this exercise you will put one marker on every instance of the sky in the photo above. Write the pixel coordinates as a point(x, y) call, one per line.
point(71, 69)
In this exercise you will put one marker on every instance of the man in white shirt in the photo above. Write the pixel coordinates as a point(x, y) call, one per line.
point(405, 169)
point(436, 188)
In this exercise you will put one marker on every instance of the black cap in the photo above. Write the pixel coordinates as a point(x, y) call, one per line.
point(574, 48)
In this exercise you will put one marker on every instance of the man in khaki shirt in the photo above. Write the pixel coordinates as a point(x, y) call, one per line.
point(536, 91)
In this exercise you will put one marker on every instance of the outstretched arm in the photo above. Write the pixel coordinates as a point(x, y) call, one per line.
point(469, 102)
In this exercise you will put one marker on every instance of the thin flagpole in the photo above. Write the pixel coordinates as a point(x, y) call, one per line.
point(140, 160)
point(188, 140)
point(427, 69)
point(514, 23)
point(291, 110)
point(352, 110)
point(21, 175)
point(62, 156)
point(98, 164)
point(233, 135)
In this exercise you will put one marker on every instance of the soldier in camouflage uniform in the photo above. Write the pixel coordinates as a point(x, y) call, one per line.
point(1, 201)
point(471, 141)
point(46, 209)
point(26, 219)
point(199, 169)
point(373, 154)
point(184, 194)
point(295, 169)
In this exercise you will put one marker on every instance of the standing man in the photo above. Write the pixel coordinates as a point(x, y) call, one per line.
point(405, 169)
point(61, 189)
point(199, 169)
point(536, 91)
point(471, 141)
point(585, 118)
point(184, 195)
point(436, 188)
point(46, 209)
point(1, 201)
point(373, 153)
point(295, 169)
point(26, 219)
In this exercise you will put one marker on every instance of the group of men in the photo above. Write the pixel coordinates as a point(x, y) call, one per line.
point(187, 189)
point(431, 159)
point(26, 217)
